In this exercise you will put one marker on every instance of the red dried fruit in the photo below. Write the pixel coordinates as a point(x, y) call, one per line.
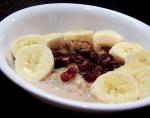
point(78, 59)
point(93, 56)
point(59, 62)
point(85, 66)
point(84, 54)
point(105, 59)
point(62, 61)
point(69, 74)
point(69, 59)
point(64, 77)
point(116, 64)
point(72, 70)
point(90, 76)
point(105, 69)
point(87, 63)
point(112, 65)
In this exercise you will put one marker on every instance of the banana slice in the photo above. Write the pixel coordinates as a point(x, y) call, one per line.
point(81, 40)
point(131, 67)
point(141, 73)
point(115, 87)
point(79, 35)
point(105, 38)
point(34, 63)
point(123, 49)
point(26, 40)
point(143, 56)
point(143, 78)
point(54, 40)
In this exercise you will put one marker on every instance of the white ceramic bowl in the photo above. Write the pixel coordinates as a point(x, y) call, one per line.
point(49, 18)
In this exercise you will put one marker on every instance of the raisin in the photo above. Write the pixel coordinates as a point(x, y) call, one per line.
point(69, 74)
point(93, 56)
point(69, 59)
point(116, 63)
point(59, 62)
point(79, 59)
point(85, 66)
point(105, 59)
point(105, 69)
point(90, 76)
point(84, 54)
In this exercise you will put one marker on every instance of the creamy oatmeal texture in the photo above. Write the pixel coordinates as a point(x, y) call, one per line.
point(76, 89)
point(84, 65)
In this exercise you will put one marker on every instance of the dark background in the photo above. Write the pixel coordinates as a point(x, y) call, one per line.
point(14, 100)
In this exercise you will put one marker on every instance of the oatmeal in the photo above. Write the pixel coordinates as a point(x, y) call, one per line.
point(85, 65)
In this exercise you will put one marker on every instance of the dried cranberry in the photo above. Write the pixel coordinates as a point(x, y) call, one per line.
point(93, 56)
point(65, 77)
point(90, 76)
point(72, 70)
point(116, 63)
point(78, 59)
point(87, 76)
point(59, 62)
point(105, 69)
point(64, 60)
point(105, 59)
point(69, 74)
point(69, 59)
point(85, 66)
point(84, 54)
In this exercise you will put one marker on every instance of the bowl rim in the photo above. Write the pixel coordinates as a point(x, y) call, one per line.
point(58, 99)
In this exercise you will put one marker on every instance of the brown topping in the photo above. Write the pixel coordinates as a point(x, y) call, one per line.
point(89, 63)
point(79, 45)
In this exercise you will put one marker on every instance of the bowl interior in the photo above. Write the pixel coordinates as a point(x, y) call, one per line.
point(68, 17)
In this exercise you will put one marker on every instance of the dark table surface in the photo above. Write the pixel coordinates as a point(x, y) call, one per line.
point(14, 100)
